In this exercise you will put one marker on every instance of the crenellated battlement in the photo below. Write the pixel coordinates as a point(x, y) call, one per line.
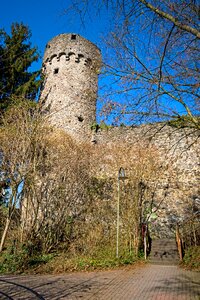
point(67, 56)
point(66, 49)
point(69, 45)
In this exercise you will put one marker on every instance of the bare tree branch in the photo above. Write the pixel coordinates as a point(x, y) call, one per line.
point(169, 17)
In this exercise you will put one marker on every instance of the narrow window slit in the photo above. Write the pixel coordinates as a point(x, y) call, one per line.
point(80, 118)
point(56, 71)
point(73, 37)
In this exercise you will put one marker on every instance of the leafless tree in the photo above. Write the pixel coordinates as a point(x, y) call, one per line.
point(47, 174)
point(152, 66)
point(98, 230)
point(16, 133)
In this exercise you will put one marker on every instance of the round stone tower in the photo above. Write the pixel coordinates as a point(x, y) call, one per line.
point(70, 66)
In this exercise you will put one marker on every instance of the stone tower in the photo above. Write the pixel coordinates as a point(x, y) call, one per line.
point(70, 67)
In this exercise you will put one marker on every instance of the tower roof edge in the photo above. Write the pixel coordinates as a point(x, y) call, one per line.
point(70, 38)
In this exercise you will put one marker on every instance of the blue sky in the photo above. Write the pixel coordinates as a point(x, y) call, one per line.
point(47, 18)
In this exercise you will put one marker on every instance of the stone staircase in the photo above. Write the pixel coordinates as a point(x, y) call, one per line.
point(164, 252)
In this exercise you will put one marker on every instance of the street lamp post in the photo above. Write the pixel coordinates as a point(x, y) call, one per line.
point(121, 176)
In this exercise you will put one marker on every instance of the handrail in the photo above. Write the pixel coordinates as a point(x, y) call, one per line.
point(184, 235)
point(179, 243)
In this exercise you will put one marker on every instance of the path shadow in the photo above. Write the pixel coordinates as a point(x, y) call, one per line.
point(30, 290)
point(51, 289)
point(181, 285)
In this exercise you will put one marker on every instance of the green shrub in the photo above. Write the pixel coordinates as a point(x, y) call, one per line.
point(191, 258)
point(20, 260)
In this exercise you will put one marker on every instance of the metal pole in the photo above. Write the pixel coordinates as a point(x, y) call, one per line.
point(118, 200)
point(145, 243)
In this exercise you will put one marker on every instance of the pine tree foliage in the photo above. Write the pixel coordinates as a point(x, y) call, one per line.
point(16, 57)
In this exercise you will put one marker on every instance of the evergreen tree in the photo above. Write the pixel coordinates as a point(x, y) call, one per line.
point(16, 56)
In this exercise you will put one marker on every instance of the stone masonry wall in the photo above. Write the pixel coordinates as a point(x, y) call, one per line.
point(70, 67)
point(179, 152)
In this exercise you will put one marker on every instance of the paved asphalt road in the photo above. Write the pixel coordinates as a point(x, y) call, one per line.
point(153, 282)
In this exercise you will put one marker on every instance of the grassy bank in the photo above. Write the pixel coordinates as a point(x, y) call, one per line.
point(61, 262)
point(191, 258)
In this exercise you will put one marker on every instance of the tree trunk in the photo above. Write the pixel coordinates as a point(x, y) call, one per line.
point(3, 238)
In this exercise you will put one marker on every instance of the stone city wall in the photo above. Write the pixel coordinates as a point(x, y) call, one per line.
point(177, 193)
point(70, 66)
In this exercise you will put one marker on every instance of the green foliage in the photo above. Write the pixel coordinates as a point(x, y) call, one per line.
point(19, 260)
point(104, 126)
point(92, 263)
point(16, 57)
point(191, 258)
point(95, 126)
point(3, 214)
point(10, 263)
point(184, 122)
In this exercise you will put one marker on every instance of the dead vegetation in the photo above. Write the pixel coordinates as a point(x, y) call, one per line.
point(66, 193)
